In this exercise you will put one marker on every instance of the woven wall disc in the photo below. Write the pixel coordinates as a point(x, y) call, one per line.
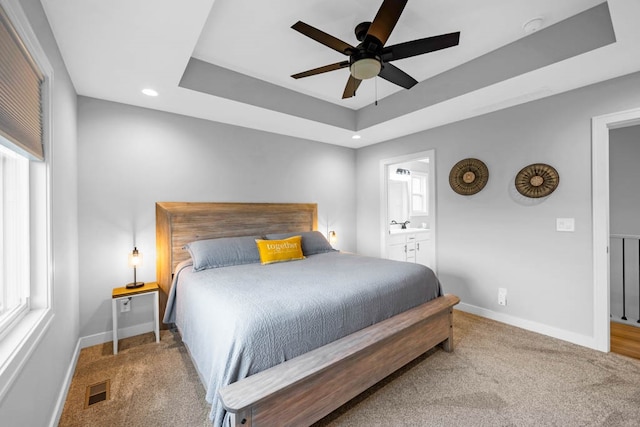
point(468, 176)
point(537, 180)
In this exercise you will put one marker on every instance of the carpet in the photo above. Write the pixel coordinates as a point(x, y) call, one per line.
point(152, 384)
point(498, 375)
point(501, 375)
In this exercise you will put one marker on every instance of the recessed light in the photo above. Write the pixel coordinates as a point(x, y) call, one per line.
point(356, 136)
point(149, 92)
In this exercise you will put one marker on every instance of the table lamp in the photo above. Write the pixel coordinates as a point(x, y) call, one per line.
point(135, 260)
point(333, 237)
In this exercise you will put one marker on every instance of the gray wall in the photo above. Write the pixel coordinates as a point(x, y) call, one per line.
point(130, 158)
point(33, 397)
point(499, 239)
point(624, 161)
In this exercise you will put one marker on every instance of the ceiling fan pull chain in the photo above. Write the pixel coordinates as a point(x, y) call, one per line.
point(376, 83)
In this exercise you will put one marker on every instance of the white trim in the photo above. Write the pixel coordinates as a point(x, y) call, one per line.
point(540, 328)
point(433, 208)
point(104, 337)
point(19, 344)
point(600, 127)
point(66, 384)
point(384, 210)
point(21, 24)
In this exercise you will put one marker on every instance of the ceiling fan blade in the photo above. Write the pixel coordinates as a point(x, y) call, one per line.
point(395, 75)
point(418, 47)
point(324, 38)
point(386, 19)
point(350, 88)
point(320, 70)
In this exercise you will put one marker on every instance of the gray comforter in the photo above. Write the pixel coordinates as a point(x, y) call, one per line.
point(240, 320)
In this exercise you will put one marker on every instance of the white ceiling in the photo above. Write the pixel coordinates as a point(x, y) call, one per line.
point(114, 49)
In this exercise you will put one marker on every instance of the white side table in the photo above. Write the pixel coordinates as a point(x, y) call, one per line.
point(148, 289)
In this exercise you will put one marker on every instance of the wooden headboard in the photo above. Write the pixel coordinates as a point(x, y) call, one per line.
point(179, 223)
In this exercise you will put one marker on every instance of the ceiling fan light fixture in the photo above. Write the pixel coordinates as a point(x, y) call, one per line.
point(365, 68)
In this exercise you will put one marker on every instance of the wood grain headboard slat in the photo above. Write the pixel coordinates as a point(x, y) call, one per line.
point(178, 223)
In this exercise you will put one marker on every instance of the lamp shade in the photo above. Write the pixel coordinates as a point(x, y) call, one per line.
point(135, 258)
point(135, 261)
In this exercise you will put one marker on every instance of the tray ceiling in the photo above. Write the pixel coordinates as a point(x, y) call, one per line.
point(230, 60)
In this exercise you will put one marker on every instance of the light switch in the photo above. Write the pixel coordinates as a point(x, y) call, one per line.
point(565, 224)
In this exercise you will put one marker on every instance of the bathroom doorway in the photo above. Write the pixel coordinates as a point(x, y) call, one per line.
point(408, 208)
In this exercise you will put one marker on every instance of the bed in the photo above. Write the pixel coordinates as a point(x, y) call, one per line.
point(287, 343)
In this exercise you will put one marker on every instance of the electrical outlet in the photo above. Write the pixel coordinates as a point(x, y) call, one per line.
point(125, 305)
point(502, 296)
point(565, 224)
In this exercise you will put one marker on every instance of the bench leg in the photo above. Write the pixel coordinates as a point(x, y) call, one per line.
point(241, 419)
point(447, 345)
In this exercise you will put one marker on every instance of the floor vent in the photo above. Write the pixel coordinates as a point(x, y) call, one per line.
point(97, 393)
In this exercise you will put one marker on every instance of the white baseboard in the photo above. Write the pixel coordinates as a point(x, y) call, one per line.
point(572, 337)
point(62, 397)
point(89, 341)
point(104, 337)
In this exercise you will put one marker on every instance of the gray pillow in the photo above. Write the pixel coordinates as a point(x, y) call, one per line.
point(223, 252)
point(313, 242)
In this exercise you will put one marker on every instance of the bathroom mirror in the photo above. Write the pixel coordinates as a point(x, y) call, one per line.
point(398, 200)
point(407, 193)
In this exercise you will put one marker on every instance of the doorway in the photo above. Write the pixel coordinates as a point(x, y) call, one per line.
point(624, 250)
point(408, 206)
point(600, 127)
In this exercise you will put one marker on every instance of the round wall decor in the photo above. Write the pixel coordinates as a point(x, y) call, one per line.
point(537, 180)
point(468, 176)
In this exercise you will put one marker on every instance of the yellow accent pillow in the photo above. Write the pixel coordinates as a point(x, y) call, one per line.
point(280, 250)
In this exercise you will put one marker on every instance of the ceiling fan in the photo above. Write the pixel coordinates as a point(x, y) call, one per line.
point(371, 58)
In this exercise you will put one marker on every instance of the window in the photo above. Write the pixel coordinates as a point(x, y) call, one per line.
point(419, 194)
point(26, 273)
point(14, 237)
point(20, 140)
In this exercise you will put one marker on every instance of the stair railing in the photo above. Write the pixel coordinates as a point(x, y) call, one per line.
point(624, 242)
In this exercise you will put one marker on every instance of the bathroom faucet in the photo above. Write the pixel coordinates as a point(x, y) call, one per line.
point(404, 224)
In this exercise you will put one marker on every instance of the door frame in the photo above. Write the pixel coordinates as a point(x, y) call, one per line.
point(600, 126)
point(384, 212)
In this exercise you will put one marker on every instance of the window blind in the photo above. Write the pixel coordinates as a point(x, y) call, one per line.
point(20, 93)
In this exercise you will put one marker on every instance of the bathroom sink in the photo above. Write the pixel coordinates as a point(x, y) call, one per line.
point(407, 230)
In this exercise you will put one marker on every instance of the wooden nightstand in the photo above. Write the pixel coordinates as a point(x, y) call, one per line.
point(148, 289)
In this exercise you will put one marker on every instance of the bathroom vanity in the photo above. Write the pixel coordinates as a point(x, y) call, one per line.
point(411, 245)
